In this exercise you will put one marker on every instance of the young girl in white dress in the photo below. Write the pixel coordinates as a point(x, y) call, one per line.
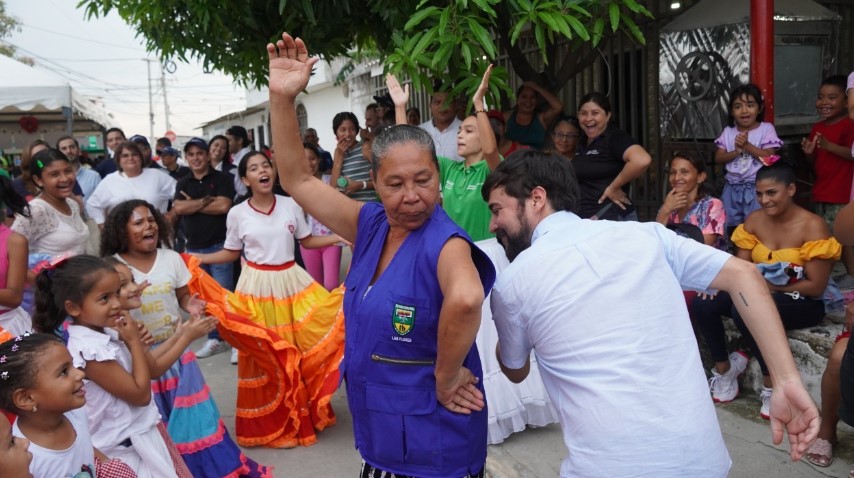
point(39, 383)
point(135, 233)
point(105, 342)
point(285, 408)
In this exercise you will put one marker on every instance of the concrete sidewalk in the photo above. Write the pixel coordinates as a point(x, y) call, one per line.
point(532, 453)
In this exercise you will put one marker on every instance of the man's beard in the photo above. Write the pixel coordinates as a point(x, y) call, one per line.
point(514, 244)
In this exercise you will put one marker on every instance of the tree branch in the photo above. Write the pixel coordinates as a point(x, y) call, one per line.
point(520, 62)
point(583, 57)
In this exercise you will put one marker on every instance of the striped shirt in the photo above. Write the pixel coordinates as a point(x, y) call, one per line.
point(357, 168)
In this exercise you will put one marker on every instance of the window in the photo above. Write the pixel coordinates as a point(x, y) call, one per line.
point(262, 139)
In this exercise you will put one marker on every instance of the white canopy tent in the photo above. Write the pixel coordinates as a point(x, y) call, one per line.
point(27, 91)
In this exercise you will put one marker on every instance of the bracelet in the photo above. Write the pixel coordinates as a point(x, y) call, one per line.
point(364, 185)
point(477, 112)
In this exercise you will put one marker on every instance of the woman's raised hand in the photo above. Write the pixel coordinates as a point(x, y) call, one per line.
point(399, 95)
point(477, 99)
point(290, 66)
point(674, 200)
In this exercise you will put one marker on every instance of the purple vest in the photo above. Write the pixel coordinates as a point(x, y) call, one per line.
point(390, 354)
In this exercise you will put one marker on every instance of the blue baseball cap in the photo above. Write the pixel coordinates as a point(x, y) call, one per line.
point(169, 151)
point(196, 141)
point(138, 138)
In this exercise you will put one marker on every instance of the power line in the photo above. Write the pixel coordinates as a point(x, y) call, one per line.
point(89, 60)
point(59, 69)
point(114, 45)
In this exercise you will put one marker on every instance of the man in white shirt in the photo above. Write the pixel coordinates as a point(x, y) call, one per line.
point(601, 304)
point(86, 178)
point(238, 143)
point(444, 125)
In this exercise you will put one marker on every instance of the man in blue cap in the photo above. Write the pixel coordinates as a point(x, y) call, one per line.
point(202, 201)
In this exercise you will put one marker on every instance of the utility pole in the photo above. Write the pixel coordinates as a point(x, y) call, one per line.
point(150, 101)
point(165, 100)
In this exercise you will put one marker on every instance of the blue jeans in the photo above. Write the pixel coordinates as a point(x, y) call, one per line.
point(222, 273)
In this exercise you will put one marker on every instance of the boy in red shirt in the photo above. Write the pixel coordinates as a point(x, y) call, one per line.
point(829, 147)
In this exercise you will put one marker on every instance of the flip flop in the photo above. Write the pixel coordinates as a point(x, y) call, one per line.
point(820, 453)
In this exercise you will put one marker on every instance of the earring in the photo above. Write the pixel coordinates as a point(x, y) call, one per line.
point(35, 409)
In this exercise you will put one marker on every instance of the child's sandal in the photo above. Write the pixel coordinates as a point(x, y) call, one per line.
point(821, 454)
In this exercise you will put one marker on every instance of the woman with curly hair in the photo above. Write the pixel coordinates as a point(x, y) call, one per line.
point(137, 234)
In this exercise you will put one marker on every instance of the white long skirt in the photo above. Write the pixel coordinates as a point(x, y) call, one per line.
point(16, 321)
point(511, 406)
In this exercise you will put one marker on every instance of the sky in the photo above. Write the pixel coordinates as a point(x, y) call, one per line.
point(104, 58)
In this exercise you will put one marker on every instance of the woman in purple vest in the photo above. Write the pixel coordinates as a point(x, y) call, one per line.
point(413, 295)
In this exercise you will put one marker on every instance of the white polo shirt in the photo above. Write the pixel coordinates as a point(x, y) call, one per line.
point(600, 303)
point(445, 141)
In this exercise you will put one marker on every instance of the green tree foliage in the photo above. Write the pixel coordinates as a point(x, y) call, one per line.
point(8, 25)
point(421, 39)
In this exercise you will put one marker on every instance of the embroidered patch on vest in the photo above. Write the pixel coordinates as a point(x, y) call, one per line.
point(403, 319)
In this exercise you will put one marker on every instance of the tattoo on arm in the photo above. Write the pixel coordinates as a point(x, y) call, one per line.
point(743, 299)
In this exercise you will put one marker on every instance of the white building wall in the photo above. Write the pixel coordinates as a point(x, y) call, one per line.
point(321, 106)
point(322, 102)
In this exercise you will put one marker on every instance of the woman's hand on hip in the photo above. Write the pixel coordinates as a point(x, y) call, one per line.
point(616, 195)
point(461, 396)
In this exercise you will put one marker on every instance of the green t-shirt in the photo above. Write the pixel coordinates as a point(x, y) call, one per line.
point(461, 196)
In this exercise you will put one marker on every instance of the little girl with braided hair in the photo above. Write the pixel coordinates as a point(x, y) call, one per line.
point(39, 383)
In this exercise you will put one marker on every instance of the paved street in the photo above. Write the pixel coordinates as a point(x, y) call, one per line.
point(533, 453)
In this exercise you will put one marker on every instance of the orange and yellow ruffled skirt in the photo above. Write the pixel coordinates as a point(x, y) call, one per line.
point(290, 334)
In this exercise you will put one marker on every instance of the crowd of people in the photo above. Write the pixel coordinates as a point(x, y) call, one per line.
point(479, 299)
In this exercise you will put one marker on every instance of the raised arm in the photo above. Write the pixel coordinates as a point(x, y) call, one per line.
point(555, 106)
point(290, 68)
point(400, 97)
point(487, 138)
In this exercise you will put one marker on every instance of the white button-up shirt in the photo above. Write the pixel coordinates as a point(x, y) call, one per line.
point(445, 141)
point(600, 303)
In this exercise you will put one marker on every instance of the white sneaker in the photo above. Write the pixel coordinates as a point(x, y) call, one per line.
point(234, 356)
point(724, 386)
point(765, 396)
point(212, 347)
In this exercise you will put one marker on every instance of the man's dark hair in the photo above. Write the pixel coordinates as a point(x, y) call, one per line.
point(114, 129)
point(527, 169)
point(63, 138)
